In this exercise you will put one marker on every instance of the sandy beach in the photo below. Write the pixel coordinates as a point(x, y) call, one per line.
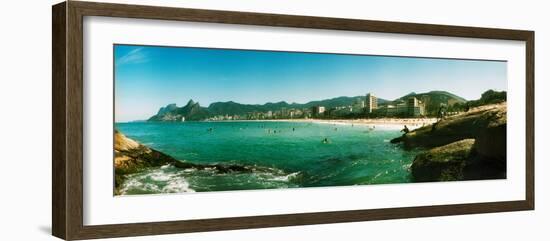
point(412, 123)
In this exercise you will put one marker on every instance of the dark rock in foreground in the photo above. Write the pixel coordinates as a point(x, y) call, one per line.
point(454, 162)
point(455, 128)
point(491, 141)
point(132, 157)
point(468, 146)
point(444, 163)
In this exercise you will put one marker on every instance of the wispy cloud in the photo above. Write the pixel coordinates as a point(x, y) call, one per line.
point(136, 56)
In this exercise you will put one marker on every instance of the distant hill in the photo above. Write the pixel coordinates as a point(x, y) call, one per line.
point(168, 108)
point(338, 101)
point(489, 97)
point(193, 111)
point(434, 100)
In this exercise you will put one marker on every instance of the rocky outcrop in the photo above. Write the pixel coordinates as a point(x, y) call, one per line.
point(468, 146)
point(491, 141)
point(166, 109)
point(132, 157)
point(191, 111)
point(463, 126)
point(445, 163)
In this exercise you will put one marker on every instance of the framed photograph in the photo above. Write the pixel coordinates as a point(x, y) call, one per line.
point(171, 120)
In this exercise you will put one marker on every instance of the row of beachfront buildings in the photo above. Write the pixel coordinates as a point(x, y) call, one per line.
point(367, 106)
point(283, 113)
point(409, 107)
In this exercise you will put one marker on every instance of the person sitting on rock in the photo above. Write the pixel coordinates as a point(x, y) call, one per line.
point(441, 113)
point(405, 129)
point(434, 125)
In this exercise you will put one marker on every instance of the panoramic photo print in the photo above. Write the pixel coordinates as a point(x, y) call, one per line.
point(190, 119)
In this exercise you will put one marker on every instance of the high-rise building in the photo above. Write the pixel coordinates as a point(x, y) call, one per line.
point(318, 110)
point(415, 107)
point(371, 103)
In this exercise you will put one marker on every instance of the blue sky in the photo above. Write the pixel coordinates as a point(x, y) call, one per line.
point(148, 77)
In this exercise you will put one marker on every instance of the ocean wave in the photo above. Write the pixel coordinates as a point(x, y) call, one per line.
point(162, 180)
point(178, 185)
point(262, 173)
point(378, 175)
point(286, 178)
point(203, 177)
point(161, 177)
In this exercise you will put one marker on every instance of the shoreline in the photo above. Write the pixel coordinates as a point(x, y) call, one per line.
point(379, 121)
point(412, 123)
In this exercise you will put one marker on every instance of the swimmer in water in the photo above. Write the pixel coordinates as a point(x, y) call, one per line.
point(325, 141)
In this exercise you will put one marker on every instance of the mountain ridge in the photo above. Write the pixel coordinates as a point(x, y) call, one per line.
point(193, 111)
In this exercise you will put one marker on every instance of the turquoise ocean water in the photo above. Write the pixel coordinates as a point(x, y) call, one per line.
point(286, 154)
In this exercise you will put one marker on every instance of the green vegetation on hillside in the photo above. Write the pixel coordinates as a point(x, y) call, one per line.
point(487, 98)
point(342, 107)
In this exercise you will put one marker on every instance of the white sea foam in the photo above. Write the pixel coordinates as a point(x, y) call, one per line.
point(165, 180)
point(160, 176)
point(378, 175)
point(133, 184)
point(177, 185)
point(285, 178)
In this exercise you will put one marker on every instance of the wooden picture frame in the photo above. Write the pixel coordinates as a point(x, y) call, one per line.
point(67, 124)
